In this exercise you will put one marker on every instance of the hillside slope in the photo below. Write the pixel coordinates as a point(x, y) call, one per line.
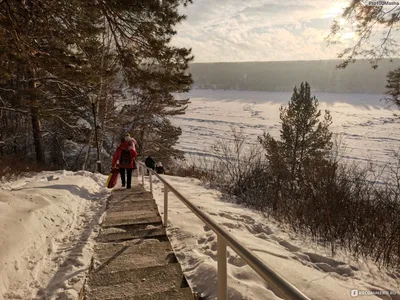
point(282, 76)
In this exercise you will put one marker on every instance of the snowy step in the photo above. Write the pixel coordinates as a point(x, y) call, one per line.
point(131, 196)
point(129, 232)
point(174, 294)
point(131, 217)
point(139, 282)
point(133, 258)
point(132, 205)
point(132, 255)
point(137, 191)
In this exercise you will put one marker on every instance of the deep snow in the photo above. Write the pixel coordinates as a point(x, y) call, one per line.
point(307, 265)
point(47, 224)
point(46, 227)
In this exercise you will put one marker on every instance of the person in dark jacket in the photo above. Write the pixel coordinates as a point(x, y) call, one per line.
point(150, 163)
point(124, 159)
point(159, 168)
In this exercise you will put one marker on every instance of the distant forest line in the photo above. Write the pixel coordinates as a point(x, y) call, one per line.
point(282, 76)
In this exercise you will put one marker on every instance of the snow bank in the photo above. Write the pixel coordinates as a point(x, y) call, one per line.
point(308, 267)
point(46, 227)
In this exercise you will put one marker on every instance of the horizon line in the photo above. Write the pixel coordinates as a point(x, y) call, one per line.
point(298, 60)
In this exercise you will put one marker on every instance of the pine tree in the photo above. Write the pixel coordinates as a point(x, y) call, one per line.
point(393, 87)
point(304, 137)
point(45, 63)
point(62, 61)
point(151, 69)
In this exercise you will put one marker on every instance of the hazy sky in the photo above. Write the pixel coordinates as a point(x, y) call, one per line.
point(259, 30)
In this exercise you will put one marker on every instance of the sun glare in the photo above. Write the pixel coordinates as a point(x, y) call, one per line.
point(348, 35)
point(335, 10)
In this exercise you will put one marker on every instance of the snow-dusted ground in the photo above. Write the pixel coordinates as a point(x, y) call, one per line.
point(47, 221)
point(46, 226)
point(369, 129)
point(304, 264)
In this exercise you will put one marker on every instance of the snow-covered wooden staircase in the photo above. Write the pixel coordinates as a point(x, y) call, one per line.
point(133, 258)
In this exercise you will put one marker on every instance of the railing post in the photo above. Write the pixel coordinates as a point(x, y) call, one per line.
point(222, 269)
point(143, 171)
point(151, 183)
point(165, 205)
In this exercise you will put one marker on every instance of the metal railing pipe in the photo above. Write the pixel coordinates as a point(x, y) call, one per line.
point(143, 170)
point(165, 205)
point(151, 183)
point(276, 283)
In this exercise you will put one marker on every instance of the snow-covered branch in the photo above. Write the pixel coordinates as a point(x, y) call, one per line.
point(65, 122)
point(8, 90)
point(14, 109)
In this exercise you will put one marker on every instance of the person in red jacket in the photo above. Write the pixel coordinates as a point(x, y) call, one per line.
point(124, 159)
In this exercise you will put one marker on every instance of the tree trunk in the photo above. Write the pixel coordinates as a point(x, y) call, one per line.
point(37, 136)
point(101, 121)
point(102, 102)
point(35, 120)
point(87, 152)
point(65, 165)
point(141, 145)
point(94, 108)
